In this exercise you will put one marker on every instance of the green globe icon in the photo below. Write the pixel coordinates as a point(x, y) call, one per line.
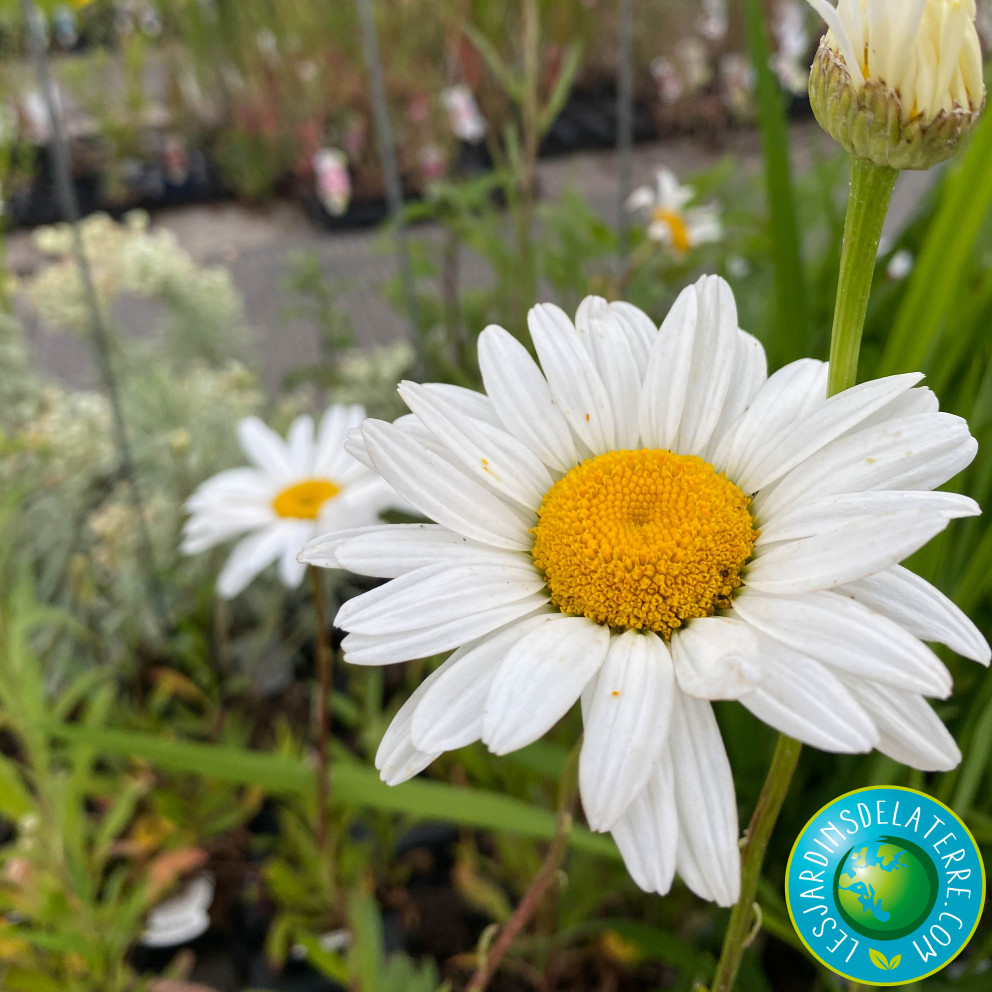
point(885, 887)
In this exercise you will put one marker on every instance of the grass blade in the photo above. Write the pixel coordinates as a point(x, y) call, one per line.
point(354, 784)
point(792, 323)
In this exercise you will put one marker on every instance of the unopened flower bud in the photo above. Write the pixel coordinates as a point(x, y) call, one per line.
point(898, 82)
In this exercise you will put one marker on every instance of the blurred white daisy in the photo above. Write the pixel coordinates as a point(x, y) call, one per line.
point(647, 522)
point(296, 489)
point(671, 221)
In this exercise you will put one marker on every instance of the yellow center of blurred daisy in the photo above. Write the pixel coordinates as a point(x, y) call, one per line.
point(645, 539)
point(305, 499)
point(680, 233)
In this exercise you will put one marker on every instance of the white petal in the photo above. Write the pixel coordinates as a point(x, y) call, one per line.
point(708, 856)
point(648, 832)
point(641, 199)
point(539, 680)
point(451, 710)
point(392, 550)
point(920, 399)
point(804, 699)
point(640, 329)
point(786, 396)
point(354, 446)
point(442, 492)
point(299, 444)
point(574, 379)
point(398, 758)
point(922, 609)
point(666, 378)
point(323, 549)
point(468, 401)
point(208, 528)
point(848, 637)
point(613, 356)
point(920, 452)
point(249, 557)
point(436, 594)
point(265, 448)
point(626, 724)
point(386, 649)
point(910, 731)
point(492, 456)
point(749, 376)
point(819, 516)
point(330, 458)
point(716, 658)
point(237, 486)
point(291, 571)
point(797, 441)
point(829, 13)
point(523, 400)
point(714, 362)
point(851, 551)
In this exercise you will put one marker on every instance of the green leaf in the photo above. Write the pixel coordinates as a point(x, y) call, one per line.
point(366, 953)
point(943, 263)
point(894, 962)
point(15, 800)
point(562, 87)
point(327, 962)
point(353, 784)
point(792, 325)
point(502, 72)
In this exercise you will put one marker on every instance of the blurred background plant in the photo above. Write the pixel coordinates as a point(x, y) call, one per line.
point(147, 739)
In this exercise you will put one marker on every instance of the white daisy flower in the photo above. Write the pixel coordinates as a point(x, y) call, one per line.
point(648, 522)
point(297, 488)
point(671, 221)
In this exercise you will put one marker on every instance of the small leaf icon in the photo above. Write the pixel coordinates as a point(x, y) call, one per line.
point(894, 962)
point(878, 959)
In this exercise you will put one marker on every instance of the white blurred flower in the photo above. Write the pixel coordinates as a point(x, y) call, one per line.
point(646, 522)
point(926, 51)
point(737, 76)
point(183, 917)
point(333, 183)
point(900, 265)
point(667, 78)
point(464, 117)
point(298, 488)
point(713, 19)
point(671, 221)
point(697, 69)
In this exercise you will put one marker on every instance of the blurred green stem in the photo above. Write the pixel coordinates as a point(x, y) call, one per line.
point(759, 831)
point(871, 191)
point(530, 129)
point(322, 709)
point(567, 791)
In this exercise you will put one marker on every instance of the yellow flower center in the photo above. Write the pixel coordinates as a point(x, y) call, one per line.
point(680, 233)
point(645, 539)
point(305, 499)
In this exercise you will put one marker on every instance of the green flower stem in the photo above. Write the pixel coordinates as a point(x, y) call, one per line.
point(759, 832)
point(871, 191)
